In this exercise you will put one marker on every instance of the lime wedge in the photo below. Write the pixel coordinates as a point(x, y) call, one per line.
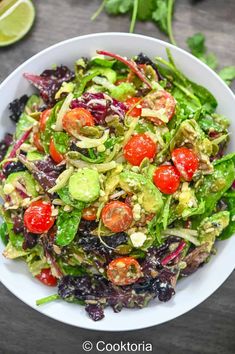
point(16, 19)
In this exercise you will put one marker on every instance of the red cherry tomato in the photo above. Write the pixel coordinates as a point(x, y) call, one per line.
point(167, 179)
point(138, 147)
point(133, 102)
point(117, 216)
point(37, 142)
point(160, 101)
point(76, 118)
point(124, 271)
point(38, 218)
point(186, 162)
point(56, 155)
point(43, 119)
point(89, 213)
point(46, 277)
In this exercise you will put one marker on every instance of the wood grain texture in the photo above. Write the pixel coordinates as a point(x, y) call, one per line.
point(208, 329)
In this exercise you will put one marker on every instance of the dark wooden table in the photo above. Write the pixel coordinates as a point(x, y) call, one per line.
point(210, 328)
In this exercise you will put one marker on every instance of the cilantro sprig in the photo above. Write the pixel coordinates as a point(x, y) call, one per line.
point(197, 46)
point(161, 13)
point(158, 11)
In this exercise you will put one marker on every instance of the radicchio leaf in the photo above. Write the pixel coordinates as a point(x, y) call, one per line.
point(100, 105)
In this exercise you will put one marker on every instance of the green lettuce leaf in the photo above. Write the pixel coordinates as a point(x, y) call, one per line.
point(67, 226)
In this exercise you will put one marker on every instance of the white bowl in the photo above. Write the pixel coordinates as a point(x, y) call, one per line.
point(190, 291)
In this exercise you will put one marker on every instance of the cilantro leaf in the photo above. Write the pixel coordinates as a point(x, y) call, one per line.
point(145, 8)
point(116, 7)
point(211, 60)
point(228, 74)
point(160, 14)
point(197, 46)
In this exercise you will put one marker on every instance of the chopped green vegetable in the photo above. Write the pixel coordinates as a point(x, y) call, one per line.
point(47, 299)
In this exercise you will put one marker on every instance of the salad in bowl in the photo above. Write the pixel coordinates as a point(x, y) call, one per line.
point(116, 183)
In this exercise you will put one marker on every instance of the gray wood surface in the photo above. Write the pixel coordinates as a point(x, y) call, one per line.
point(210, 328)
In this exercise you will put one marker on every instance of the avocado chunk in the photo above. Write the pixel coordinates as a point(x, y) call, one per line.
point(19, 184)
point(123, 91)
point(212, 227)
point(84, 185)
point(110, 74)
point(149, 197)
point(25, 122)
point(34, 156)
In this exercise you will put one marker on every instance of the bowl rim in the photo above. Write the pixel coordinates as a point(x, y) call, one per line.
point(4, 83)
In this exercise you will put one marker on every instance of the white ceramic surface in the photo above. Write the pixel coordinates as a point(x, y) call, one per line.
point(191, 291)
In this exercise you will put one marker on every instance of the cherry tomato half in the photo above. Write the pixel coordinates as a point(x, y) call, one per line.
point(46, 277)
point(43, 119)
point(138, 147)
point(124, 271)
point(186, 162)
point(133, 102)
point(38, 218)
point(167, 179)
point(117, 216)
point(89, 213)
point(37, 142)
point(76, 118)
point(160, 101)
point(56, 155)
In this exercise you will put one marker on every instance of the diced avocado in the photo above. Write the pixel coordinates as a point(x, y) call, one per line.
point(123, 91)
point(25, 122)
point(34, 155)
point(106, 72)
point(33, 104)
point(150, 171)
point(66, 87)
point(148, 195)
point(84, 185)
point(211, 227)
point(187, 199)
point(112, 182)
point(13, 185)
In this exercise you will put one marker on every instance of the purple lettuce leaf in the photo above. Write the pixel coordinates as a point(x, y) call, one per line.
point(49, 82)
point(16, 107)
point(47, 172)
point(95, 311)
point(195, 259)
